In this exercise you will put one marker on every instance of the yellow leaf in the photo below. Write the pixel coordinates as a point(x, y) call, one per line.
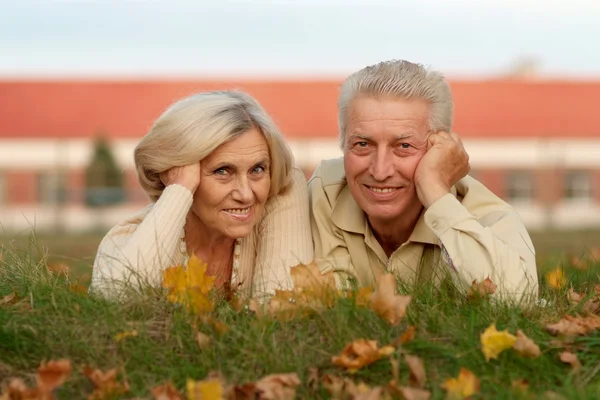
point(314, 286)
point(556, 278)
point(466, 385)
point(196, 275)
point(494, 342)
point(189, 286)
point(126, 334)
point(210, 389)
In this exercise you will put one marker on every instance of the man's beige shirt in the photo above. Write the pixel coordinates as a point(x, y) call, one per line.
point(470, 234)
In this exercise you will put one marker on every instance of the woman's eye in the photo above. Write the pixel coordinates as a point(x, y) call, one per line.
point(259, 169)
point(221, 171)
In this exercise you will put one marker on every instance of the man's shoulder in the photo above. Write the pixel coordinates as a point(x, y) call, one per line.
point(330, 172)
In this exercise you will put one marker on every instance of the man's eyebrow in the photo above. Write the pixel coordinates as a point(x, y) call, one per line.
point(359, 136)
point(404, 136)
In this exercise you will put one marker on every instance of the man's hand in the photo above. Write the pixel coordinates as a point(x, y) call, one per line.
point(187, 176)
point(444, 164)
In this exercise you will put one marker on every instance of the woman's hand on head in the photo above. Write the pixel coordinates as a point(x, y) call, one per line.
point(187, 176)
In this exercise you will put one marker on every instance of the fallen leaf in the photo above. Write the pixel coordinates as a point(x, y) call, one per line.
point(574, 326)
point(494, 342)
point(386, 303)
point(371, 394)
point(556, 278)
point(314, 285)
point(407, 336)
point(78, 288)
point(313, 379)
point(525, 346)
point(409, 393)
point(571, 359)
point(53, 374)
point(466, 385)
point(550, 395)
point(190, 286)
point(202, 340)
point(125, 334)
point(59, 268)
point(574, 297)
point(363, 296)
point(482, 289)
point(520, 385)
point(17, 390)
point(334, 385)
point(360, 353)
point(105, 383)
point(9, 298)
point(209, 389)
point(418, 376)
point(591, 306)
point(166, 391)
point(278, 386)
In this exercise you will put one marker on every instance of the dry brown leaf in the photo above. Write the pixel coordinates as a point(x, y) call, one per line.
point(315, 287)
point(409, 393)
point(407, 336)
point(166, 391)
point(482, 289)
point(520, 385)
point(466, 385)
point(360, 353)
point(313, 379)
point(53, 374)
point(591, 306)
point(334, 385)
point(418, 376)
point(202, 340)
point(9, 298)
point(17, 390)
point(570, 358)
point(278, 386)
point(370, 394)
point(386, 303)
point(105, 383)
point(574, 297)
point(78, 288)
point(525, 346)
point(59, 268)
point(574, 326)
point(244, 392)
point(550, 395)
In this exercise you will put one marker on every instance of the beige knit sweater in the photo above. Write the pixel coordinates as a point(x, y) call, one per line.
point(136, 251)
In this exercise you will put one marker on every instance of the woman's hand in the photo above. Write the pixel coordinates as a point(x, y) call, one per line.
point(187, 176)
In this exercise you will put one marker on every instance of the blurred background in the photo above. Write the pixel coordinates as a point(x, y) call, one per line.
point(82, 81)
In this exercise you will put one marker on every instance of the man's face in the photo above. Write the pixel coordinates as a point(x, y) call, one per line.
point(385, 140)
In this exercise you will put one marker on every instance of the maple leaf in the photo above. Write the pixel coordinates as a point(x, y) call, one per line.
point(9, 298)
point(574, 326)
point(105, 383)
point(190, 286)
point(417, 370)
point(208, 389)
point(407, 336)
point(494, 342)
point(166, 391)
point(315, 288)
point(482, 289)
point(278, 386)
point(525, 346)
point(466, 385)
point(386, 303)
point(556, 278)
point(202, 340)
point(59, 269)
point(570, 358)
point(345, 388)
point(17, 390)
point(360, 353)
point(53, 374)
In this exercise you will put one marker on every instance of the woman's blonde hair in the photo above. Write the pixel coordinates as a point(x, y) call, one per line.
point(399, 79)
point(193, 127)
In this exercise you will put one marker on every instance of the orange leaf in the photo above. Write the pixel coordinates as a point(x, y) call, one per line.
point(78, 288)
point(278, 386)
point(482, 289)
point(166, 392)
point(466, 385)
point(525, 346)
point(386, 303)
point(53, 374)
point(105, 383)
point(17, 390)
point(360, 353)
point(59, 268)
point(315, 286)
point(570, 358)
point(407, 336)
point(417, 370)
point(574, 326)
point(413, 393)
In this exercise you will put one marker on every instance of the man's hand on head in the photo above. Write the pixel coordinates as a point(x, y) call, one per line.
point(444, 164)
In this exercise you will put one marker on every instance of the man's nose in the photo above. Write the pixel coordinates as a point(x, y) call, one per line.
point(382, 167)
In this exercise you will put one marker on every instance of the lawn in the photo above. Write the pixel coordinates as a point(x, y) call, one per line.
point(150, 341)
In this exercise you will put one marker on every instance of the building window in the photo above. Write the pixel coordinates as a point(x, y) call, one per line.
point(519, 185)
point(51, 188)
point(578, 185)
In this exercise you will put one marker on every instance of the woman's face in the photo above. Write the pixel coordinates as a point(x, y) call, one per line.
point(234, 185)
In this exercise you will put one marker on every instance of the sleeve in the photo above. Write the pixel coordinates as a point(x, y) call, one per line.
point(284, 238)
point(496, 245)
point(135, 253)
point(331, 250)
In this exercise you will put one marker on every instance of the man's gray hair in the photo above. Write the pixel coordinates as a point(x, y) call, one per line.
point(399, 79)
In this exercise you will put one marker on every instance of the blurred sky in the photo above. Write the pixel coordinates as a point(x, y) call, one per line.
point(287, 37)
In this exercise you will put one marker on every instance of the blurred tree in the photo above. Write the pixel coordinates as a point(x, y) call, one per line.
point(103, 178)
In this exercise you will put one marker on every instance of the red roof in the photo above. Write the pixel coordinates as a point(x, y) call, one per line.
point(503, 108)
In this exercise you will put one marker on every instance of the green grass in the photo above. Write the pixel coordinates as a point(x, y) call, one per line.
point(65, 324)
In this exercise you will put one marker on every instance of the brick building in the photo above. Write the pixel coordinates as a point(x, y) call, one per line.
point(534, 143)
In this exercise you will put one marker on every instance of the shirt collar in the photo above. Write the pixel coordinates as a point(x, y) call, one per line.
point(348, 216)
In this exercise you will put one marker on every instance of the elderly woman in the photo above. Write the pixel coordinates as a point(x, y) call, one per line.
point(223, 187)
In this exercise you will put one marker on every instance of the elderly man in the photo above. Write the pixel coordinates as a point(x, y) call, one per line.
point(400, 199)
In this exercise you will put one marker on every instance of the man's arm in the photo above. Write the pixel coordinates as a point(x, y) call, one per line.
point(496, 245)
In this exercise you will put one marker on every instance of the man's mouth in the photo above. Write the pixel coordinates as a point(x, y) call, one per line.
point(382, 189)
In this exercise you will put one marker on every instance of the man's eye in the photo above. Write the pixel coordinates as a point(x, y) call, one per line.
point(362, 144)
point(405, 146)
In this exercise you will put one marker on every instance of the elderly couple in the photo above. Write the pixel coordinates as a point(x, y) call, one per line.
point(224, 187)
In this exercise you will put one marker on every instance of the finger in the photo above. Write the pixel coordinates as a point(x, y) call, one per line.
point(444, 134)
point(455, 136)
